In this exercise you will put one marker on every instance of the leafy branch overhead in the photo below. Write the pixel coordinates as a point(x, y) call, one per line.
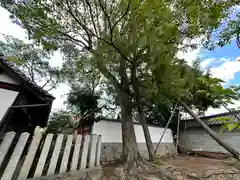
point(32, 60)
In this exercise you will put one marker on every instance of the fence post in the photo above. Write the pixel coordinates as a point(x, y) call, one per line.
point(12, 164)
point(5, 145)
point(55, 155)
point(30, 156)
point(43, 156)
point(75, 156)
point(66, 154)
point(92, 155)
point(98, 153)
point(85, 152)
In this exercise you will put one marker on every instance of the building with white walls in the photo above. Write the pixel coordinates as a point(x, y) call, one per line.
point(23, 104)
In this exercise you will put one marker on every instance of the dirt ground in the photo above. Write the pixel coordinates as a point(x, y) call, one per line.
point(196, 167)
point(178, 168)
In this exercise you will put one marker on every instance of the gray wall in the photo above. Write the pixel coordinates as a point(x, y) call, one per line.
point(113, 151)
point(198, 138)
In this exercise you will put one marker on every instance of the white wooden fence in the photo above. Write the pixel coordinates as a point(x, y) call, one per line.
point(23, 157)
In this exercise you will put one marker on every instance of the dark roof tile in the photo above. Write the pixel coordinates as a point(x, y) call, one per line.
point(209, 120)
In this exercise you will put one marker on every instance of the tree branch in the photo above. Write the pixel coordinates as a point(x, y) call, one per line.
point(73, 39)
point(92, 18)
point(47, 82)
point(55, 84)
point(81, 24)
point(106, 14)
point(124, 14)
point(108, 74)
point(112, 28)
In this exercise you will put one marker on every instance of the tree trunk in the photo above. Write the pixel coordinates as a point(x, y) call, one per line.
point(143, 121)
point(178, 124)
point(231, 150)
point(147, 136)
point(130, 149)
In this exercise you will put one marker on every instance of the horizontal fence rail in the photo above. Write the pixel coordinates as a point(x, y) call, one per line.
point(23, 156)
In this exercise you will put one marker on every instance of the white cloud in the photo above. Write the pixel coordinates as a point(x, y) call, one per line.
point(190, 54)
point(223, 59)
point(226, 71)
point(237, 7)
point(206, 62)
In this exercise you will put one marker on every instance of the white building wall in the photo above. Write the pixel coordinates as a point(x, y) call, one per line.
point(5, 78)
point(111, 132)
point(155, 133)
point(6, 99)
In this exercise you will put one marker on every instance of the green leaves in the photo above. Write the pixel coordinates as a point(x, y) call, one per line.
point(222, 119)
point(83, 101)
point(15, 60)
point(229, 123)
point(60, 122)
point(31, 60)
point(232, 126)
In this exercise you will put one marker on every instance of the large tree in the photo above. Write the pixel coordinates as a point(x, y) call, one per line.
point(120, 38)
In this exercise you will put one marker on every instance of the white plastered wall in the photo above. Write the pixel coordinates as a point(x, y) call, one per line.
point(111, 132)
point(6, 99)
point(4, 77)
point(6, 96)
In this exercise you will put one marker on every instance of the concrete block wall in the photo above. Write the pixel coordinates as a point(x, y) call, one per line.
point(113, 151)
point(198, 138)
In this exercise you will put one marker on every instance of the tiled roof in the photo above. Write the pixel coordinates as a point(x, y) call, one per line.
point(22, 78)
point(209, 120)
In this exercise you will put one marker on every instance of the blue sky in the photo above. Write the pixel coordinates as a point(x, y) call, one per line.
point(221, 61)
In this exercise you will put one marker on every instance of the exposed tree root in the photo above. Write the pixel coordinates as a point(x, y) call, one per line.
point(146, 168)
point(139, 168)
point(194, 177)
point(220, 173)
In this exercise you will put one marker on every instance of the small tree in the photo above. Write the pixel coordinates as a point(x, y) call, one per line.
point(60, 122)
point(81, 104)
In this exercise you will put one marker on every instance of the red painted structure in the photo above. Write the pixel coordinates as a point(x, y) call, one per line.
point(84, 127)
